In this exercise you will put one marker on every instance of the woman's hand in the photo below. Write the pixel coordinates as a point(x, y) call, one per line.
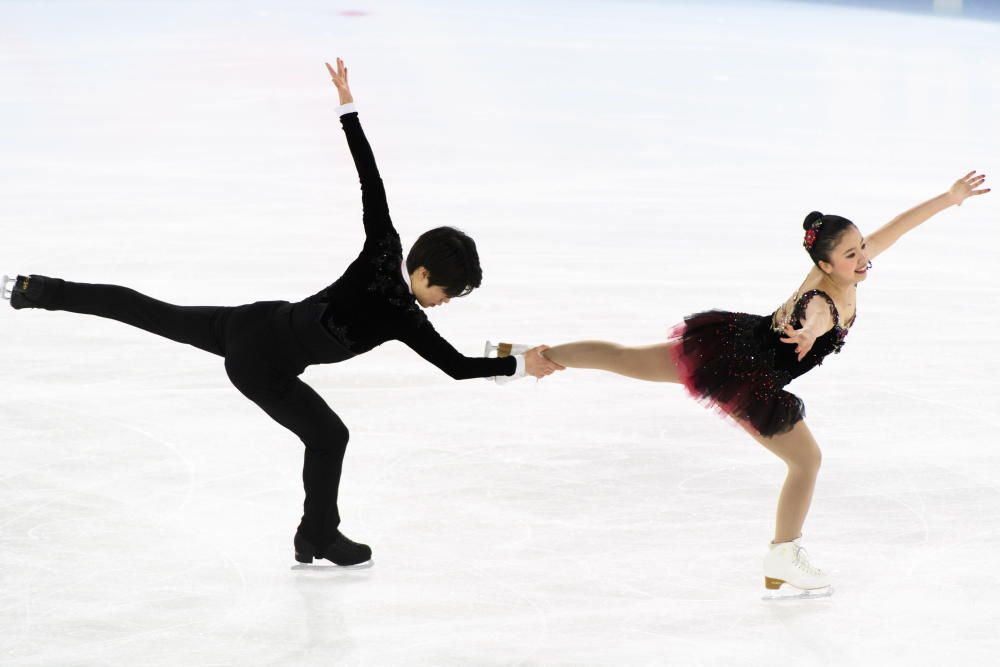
point(538, 366)
point(965, 187)
point(339, 77)
point(802, 339)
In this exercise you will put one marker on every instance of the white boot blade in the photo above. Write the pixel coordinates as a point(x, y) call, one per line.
point(490, 347)
point(493, 350)
point(332, 567)
point(787, 592)
point(7, 287)
point(515, 349)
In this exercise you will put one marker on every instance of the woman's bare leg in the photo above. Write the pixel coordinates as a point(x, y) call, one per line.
point(800, 452)
point(649, 362)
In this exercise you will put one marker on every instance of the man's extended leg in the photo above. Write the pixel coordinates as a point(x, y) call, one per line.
point(199, 326)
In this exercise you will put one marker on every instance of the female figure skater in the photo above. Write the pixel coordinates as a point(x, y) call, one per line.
point(268, 344)
point(739, 363)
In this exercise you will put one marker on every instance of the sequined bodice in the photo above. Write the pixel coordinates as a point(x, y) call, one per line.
point(830, 342)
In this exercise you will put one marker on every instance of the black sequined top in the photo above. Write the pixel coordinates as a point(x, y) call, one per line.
point(830, 342)
point(371, 303)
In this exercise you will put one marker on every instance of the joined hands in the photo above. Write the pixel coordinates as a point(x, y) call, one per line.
point(538, 366)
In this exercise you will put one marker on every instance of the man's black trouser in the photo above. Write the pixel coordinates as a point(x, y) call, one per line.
point(263, 358)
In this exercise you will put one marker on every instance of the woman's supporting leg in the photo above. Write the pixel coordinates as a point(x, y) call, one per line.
point(199, 326)
point(800, 452)
point(649, 362)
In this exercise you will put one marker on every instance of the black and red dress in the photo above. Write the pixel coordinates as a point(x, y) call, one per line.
point(736, 363)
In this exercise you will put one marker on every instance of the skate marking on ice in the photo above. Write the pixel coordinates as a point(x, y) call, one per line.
point(332, 567)
point(7, 287)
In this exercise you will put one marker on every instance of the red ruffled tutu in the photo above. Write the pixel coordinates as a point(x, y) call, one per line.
point(735, 363)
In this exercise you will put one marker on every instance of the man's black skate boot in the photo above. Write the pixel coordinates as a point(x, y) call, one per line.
point(25, 291)
point(340, 551)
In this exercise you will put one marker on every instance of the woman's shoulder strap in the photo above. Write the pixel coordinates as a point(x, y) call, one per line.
point(806, 297)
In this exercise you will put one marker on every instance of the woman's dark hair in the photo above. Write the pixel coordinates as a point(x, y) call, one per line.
point(828, 230)
point(450, 256)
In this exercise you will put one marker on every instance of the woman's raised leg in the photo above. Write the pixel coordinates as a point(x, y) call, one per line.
point(653, 363)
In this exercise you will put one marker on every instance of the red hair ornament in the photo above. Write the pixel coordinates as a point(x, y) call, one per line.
point(811, 234)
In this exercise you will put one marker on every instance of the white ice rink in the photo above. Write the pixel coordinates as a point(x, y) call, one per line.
point(620, 164)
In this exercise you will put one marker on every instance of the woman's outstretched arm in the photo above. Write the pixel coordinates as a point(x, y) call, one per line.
point(965, 187)
point(373, 200)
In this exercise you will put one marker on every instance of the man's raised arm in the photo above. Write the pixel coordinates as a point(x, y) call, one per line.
point(376, 208)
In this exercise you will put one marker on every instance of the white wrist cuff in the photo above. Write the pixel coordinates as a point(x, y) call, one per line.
point(521, 370)
point(346, 109)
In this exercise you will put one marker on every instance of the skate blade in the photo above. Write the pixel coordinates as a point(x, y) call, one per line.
point(501, 349)
point(490, 352)
point(7, 287)
point(790, 593)
point(332, 567)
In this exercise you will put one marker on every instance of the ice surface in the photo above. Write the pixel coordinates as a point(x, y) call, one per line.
point(620, 164)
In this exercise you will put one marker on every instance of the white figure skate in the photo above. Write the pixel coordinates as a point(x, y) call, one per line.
point(7, 287)
point(788, 574)
point(504, 350)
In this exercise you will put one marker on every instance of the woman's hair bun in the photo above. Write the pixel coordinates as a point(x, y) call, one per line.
point(810, 219)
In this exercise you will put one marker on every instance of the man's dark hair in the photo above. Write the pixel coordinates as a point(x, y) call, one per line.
point(450, 256)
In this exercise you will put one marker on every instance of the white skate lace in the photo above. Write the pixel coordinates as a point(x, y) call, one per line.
point(802, 561)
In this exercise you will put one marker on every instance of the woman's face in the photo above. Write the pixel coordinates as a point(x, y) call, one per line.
point(849, 260)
